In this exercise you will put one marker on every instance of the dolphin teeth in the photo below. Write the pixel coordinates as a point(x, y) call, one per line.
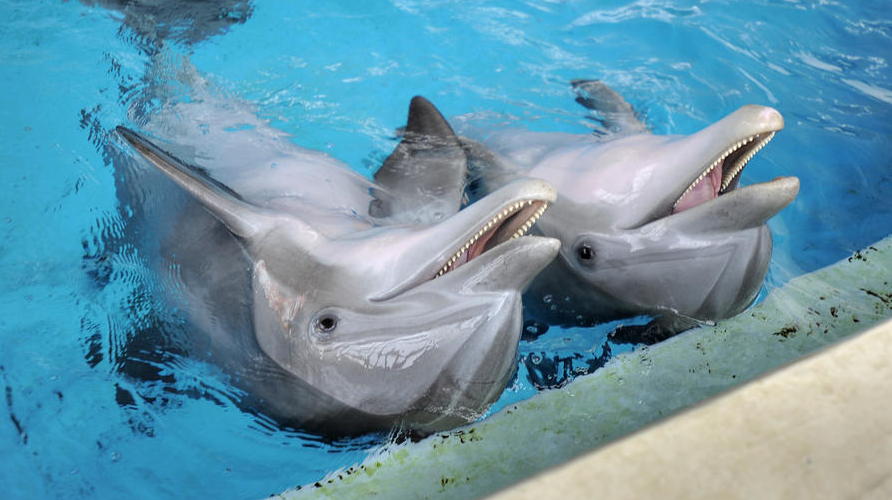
point(730, 172)
point(492, 224)
point(697, 181)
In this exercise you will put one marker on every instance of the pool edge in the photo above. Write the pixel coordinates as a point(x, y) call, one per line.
point(820, 427)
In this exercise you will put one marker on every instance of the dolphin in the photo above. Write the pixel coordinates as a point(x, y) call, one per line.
point(337, 304)
point(154, 22)
point(649, 224)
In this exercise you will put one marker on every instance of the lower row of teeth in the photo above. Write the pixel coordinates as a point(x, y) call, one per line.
point(729, 174)
point(493, 222)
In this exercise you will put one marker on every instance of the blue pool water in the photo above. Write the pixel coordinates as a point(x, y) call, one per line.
point(75, 289)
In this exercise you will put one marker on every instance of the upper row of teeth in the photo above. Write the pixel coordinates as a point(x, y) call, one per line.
point(729, 174)
point(489, 225)
point(741, 162)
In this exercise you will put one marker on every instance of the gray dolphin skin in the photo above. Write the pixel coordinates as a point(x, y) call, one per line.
point(337, 304)
point(649, 224)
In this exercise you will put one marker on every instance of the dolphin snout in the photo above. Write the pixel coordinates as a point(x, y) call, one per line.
point(787, 187)
point(772, 117)
point(757, 118)
point(782, 191)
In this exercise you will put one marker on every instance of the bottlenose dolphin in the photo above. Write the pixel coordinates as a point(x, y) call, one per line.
point(154, 22)
point(649, 224)
point(338, 304)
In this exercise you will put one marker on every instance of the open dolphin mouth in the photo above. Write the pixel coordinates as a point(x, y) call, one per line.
point(473, 241)
point(723, 174)
point(511, 222)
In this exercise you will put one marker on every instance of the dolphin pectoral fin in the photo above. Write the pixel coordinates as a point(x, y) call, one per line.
point(424, 177)
point(613, 112)
point(242, 218)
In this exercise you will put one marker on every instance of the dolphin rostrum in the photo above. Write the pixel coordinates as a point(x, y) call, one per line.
point(339, 305)
point(649, 224)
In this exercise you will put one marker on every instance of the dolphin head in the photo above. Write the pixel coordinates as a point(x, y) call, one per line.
point(417, 324)
point(409, 324)
point(655, 223)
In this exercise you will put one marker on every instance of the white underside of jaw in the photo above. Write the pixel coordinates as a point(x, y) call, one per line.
point(755, 143)
point(461, 255)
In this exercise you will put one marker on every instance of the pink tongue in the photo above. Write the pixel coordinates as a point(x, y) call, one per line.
point(475, 249)
point(704, 191)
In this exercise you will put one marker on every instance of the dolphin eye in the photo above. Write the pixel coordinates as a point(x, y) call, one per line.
point(325, 324)
point(585, 253)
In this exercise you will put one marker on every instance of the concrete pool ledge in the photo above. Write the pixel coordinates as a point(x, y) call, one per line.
point(819, 428)
point(638, 388)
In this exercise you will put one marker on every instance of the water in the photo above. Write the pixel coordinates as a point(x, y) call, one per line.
point(74, 286)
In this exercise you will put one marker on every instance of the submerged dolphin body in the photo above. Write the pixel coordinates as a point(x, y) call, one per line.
point(649, 224)
point(332, 306)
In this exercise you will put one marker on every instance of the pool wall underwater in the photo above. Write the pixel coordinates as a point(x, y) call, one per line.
point(77, 292)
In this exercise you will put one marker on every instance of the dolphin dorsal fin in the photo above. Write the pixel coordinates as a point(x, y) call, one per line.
point(242, 218)
point(423, 179)
point(614, 114)
point(426, 120)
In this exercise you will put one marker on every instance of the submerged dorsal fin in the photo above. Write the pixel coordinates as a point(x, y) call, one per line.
point(423, 179)
point(612, 111)
point(242, 218)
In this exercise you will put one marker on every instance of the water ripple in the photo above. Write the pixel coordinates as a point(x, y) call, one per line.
point(874, 91)
point(882, 27)
point(642, 9)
